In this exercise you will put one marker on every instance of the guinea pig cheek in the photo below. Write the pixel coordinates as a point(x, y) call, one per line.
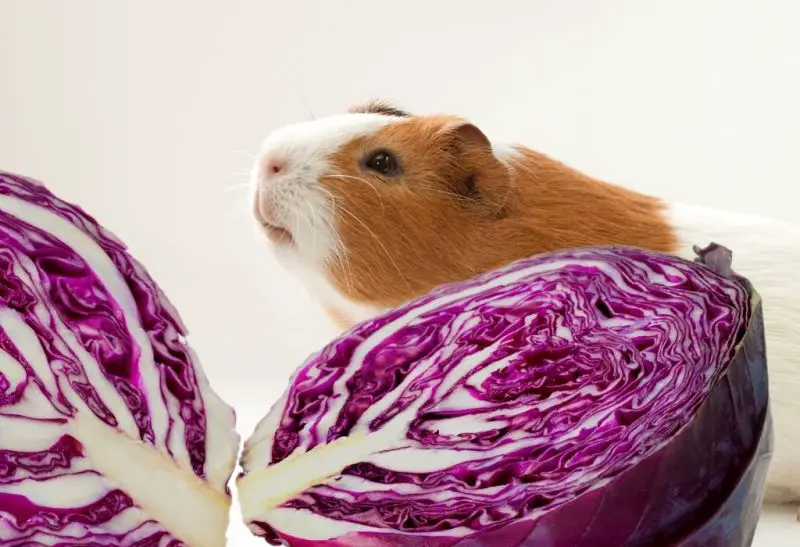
point(298, 219)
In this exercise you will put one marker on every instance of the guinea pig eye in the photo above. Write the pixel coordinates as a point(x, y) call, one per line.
point(382, 162)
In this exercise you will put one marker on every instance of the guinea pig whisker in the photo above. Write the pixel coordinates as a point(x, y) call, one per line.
point(243, 173)
point(378, 241)
point(311, 112)
point(365, 181)
point(237, 186)
point(340, 254)
point(295, 191)
point(313, 220)
point(249, 155)
point(347, 267)
point(348, 274)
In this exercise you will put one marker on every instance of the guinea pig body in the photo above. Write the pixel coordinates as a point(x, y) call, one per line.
point(376, 207)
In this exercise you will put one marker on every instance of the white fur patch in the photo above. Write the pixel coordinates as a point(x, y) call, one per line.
point(505, 150)
point(321, 288)
point(767, 252)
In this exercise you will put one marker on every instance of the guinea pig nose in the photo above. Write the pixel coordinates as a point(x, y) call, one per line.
point(274, 166)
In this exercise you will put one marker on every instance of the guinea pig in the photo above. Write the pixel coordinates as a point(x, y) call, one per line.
point(377, 206)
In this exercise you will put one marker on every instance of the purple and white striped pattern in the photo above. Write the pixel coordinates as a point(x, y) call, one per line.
point(495, 400)
point(85, 333)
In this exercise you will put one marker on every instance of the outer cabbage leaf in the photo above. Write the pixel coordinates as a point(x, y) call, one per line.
point(595, 397)
point(110, 434)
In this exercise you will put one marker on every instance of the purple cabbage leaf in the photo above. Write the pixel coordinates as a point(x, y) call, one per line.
point(110, 434)
point(593, 397)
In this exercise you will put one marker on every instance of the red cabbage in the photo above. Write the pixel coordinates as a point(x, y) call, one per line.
point(596, 397)
point(103, 406)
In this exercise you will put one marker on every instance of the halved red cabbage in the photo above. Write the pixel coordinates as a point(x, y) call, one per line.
point(110, 434)
point(596, 397)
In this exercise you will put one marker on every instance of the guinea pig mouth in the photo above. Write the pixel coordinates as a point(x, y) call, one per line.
point(277, 234)
point(274, 232)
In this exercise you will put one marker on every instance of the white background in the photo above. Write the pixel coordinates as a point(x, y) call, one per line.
point(145, 113)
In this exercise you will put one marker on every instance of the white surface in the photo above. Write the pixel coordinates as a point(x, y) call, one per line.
point(144, 112)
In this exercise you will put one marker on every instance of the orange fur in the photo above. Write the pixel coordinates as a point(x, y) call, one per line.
point(457, 210)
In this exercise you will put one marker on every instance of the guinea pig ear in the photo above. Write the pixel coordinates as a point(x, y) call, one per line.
point(469, 133)
point(480, 176)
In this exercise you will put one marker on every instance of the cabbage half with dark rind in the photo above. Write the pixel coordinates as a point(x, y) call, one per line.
point(595, 397)
point(110, 434)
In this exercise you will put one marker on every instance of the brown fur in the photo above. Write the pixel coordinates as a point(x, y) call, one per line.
point(457, 210)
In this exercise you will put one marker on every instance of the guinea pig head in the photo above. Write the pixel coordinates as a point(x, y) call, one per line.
point(379, 205)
